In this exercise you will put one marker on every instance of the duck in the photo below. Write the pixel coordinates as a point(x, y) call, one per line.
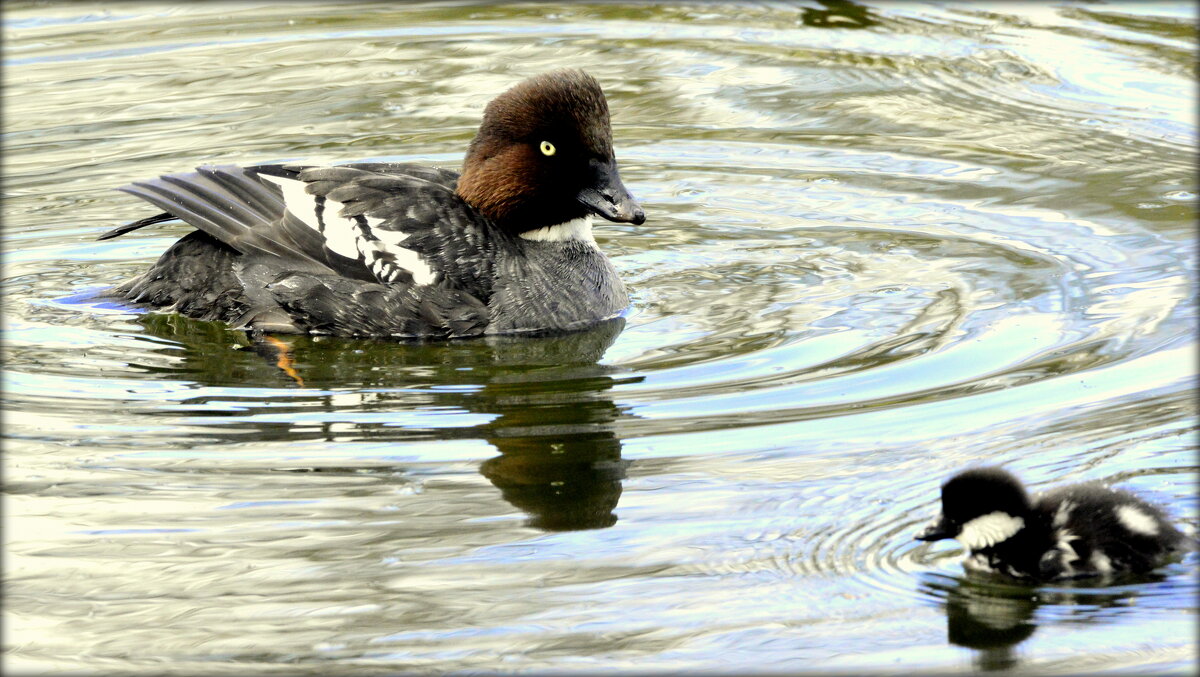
point(402, 250)
point(1076, 531)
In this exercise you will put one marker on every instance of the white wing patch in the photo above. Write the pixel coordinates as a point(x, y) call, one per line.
point(1063, 513)
point(297, 201)
point(989, 529)
point(1068, 555)
point(405, 258)
point(381, 250)
point(342, 235)
point(576, 229)
point(1137, 521)
point(1101, 563)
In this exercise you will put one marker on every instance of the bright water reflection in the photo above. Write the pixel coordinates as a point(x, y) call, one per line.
point(884, 241)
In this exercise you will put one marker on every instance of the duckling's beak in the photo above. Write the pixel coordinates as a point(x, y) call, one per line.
point(608, 197)
point(937, 530)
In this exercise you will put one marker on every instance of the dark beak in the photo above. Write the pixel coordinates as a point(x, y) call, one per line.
point(608, 197)
point(937, 530)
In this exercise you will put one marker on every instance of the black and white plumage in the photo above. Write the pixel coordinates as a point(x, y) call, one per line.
point(1077, 531)
point(402, 250)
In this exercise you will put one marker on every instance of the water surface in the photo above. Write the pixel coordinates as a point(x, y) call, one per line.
point(884, 241)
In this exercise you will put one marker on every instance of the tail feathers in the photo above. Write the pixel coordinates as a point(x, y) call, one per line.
point(232, 205)
point(235, 180)
point(1190, 540)
point(215, 195)
point(206, 205)
point(177, 195)
point(148, 221)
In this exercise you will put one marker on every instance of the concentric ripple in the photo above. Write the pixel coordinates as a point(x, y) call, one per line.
point(884, 242)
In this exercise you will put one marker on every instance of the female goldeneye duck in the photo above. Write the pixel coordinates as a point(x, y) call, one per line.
point(402, 250)
point(1076, 531)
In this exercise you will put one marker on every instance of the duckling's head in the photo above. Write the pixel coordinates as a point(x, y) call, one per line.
point(980, 508)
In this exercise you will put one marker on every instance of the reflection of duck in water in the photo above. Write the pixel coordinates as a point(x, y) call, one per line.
point(1077, 531)
point(567, 484)
point(548, 403)
point(560, 459)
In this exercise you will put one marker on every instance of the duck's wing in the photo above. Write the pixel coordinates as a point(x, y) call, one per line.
point(406, 222)
point(350, 221)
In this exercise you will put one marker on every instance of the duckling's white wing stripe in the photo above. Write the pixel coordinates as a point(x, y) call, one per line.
point(354, 237)
point(1137, 521)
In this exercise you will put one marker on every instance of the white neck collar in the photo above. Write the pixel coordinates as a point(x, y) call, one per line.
point(575, 229)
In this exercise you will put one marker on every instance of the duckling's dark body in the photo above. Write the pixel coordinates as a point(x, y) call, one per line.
point(1076, 531)
point(1098, 530)
point(402, 250)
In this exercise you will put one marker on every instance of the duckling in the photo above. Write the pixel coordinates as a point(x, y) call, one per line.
point(1076, 531)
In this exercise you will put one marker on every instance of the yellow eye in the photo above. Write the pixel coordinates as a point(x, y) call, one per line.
point(547, 148)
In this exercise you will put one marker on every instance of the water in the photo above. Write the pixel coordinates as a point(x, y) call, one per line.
point(884, 242)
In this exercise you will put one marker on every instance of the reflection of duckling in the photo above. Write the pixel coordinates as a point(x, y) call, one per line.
point(990, 623)
point(1075, 531)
